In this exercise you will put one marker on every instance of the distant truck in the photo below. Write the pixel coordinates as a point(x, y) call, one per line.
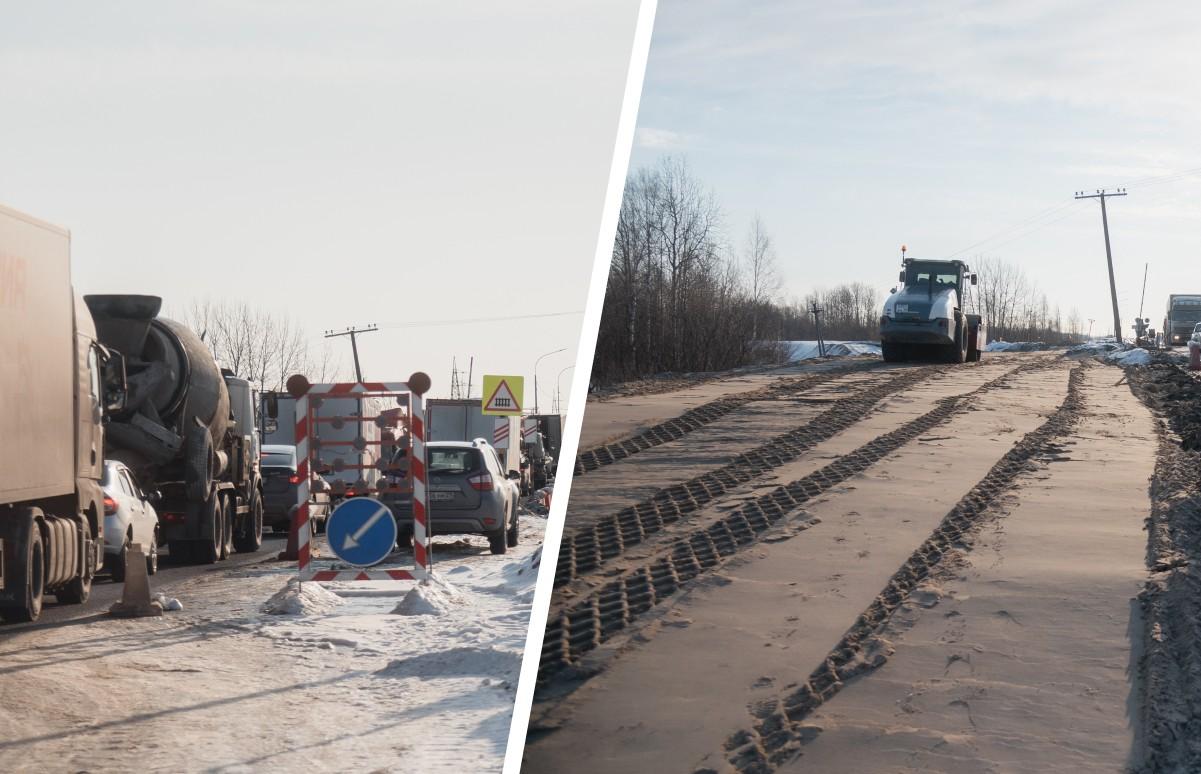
point(926, 317)
point(188, 429)
point(1183, 312)
point(464, 420)
point(57, 384)
point(551, 427)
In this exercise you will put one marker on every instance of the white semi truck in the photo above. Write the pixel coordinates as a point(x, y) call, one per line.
point(927, 316)
point(57, 384)
point(464, 420)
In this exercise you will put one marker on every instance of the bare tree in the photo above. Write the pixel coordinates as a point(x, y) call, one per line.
point(762, 274)
point(257, 345)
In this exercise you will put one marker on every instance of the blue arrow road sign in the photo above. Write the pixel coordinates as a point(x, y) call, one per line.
point(361, 531)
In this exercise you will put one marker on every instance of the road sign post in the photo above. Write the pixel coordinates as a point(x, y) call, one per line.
point(411, 392)
point(361, 531)
point(503, 395)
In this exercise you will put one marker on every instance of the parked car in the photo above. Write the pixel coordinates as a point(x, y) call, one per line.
point(280, 481)
point(129, 517)
point(469, 493)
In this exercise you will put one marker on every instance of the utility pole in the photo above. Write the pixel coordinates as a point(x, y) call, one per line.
point(1090, 328)
point(816, 311)
point(1113, 288)
point(354, 345)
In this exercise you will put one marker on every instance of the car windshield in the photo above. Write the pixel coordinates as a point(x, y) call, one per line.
point(919, 273)
point(1188, 304)
point(276, 460)
point(453, 460)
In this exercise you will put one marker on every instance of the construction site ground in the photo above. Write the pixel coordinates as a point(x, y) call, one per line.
point(875, 567)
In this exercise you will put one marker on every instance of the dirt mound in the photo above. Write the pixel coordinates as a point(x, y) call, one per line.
point(1171, 601)
point(1175, 394)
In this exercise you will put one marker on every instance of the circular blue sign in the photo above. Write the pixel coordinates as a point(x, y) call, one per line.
point(361, 531)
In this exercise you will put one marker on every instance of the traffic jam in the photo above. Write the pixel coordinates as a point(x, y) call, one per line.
point(359, 538)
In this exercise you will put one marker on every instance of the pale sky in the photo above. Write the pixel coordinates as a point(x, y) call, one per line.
point(856, 127)
point(364, 162)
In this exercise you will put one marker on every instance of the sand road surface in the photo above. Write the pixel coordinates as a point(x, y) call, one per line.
point(877, 568)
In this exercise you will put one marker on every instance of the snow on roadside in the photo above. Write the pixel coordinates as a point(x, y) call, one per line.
point(261, 674)
point(808, 350)
point(1131, 357)
point(301, 599)
point(433, 596)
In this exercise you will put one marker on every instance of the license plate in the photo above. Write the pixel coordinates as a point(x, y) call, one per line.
point(442, 495)
point(902, 307)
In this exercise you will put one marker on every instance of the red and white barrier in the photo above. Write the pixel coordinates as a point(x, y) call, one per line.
point(415, 389)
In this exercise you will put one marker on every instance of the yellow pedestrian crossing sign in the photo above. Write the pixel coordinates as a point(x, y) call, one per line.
point(503, 395)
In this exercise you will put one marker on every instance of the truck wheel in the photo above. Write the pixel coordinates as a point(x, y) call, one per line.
point(511, 535)
point(80, 588)
point(32, 570)
point(250, 537)
point(227, 527)
point(208, 550)
point(199, 468)
point(404, 538)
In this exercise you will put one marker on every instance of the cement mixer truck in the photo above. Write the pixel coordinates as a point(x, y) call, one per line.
point(927, 317)
point(188, 429)
point(57, 384)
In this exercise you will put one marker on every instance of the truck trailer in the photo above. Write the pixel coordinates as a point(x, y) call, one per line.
point(927, 316)
point(58, 384)
point(188, 428)
point(464, 420)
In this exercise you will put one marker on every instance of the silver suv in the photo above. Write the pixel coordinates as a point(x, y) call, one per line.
point(469, 493)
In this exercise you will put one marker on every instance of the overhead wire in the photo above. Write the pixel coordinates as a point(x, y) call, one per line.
point(472, 320)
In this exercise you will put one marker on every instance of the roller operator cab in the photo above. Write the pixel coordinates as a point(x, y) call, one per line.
point(927, 316)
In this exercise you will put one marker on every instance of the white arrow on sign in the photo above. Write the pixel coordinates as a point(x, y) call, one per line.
point(352, 541)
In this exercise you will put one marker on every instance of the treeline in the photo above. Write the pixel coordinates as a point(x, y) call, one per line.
point(681, 298)
point(1015, 309)
point(678, 298)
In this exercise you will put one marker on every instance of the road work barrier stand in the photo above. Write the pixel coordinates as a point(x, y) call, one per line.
point(308, 443)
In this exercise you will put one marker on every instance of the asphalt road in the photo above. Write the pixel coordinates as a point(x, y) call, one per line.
point(105, 592)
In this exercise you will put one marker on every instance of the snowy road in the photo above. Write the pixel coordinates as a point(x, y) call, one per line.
point(345, 684)
point(105, 592)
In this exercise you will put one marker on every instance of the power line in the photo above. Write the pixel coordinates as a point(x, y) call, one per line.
point(1013, 227)
point(470, 320)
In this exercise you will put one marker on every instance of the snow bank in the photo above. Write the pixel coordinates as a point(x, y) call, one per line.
point(1094, 348)
point(807, 350)
point(1131, 357)
point(1017, 346)
point(433, 596)
point(302, 599)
